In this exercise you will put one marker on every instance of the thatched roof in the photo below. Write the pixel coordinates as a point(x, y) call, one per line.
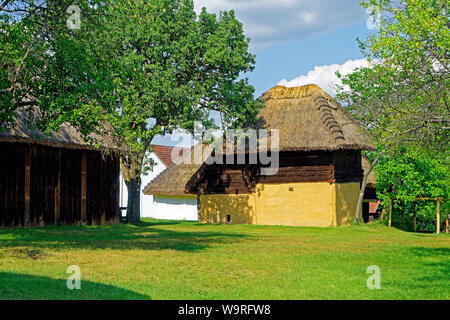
point(309, 119)
point(66, 137)
point(173, 180)
point(371, 182)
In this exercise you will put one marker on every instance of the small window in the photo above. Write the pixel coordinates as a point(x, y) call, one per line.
point(228, 218)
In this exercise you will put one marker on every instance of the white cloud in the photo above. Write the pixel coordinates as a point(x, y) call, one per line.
point(276, 21)
point(325, 76)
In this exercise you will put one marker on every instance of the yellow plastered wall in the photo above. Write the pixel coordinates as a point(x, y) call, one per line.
point(215, 208)
point(346, 202)
point(296, 204)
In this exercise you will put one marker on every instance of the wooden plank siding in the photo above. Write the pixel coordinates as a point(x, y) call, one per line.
point(12, 185)
point(347, 166)
point(44, 180)
point(295, 167)
point(55, 186)
point(102, 189)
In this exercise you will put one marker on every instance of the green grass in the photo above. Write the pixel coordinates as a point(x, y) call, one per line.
point(186, 260)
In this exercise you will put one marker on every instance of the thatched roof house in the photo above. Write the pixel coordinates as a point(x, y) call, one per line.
point(170, 201)
point(59, 178)
point(308, 119)
point(318, 179)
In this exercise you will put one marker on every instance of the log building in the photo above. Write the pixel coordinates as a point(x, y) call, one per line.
point(319, 175)
point(57, 179)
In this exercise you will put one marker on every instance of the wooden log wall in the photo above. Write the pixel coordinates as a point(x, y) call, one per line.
point(70, 187)
point(102, 189)
point(347, 166)
point(12, 184)
point(295, 167)
point(56, 186)
point(43, 182)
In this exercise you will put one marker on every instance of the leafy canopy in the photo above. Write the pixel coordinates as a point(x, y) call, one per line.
point(403, 96)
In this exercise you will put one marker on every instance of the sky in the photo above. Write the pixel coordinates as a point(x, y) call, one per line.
point(297, 42)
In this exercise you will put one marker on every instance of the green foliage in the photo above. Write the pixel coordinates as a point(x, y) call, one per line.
point(402, 97)
point(45, 64)
point(412, 173)
point(130, 61)
point(175, 67)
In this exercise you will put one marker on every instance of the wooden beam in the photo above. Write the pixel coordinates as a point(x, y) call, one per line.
point(58, 191)
point(83, 186)
point(118, 190)
point(438, 218)
point(27, 213)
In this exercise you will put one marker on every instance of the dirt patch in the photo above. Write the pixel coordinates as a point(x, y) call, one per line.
point(26, 253)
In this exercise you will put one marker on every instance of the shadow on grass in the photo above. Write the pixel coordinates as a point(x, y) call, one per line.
point(435, 259)
point(145, 235)
point(30, 287)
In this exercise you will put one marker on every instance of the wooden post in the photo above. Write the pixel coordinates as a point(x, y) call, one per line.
point(198, 202)
point(414, 217)
point(58, 191)
point(446, 226)
point(390, 212)
point(438, 218)
point(83, 186)
point(27, 213)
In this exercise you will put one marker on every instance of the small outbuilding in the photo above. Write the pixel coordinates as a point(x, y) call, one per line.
point(160, 206)
point(170, 201)
point(57, 179)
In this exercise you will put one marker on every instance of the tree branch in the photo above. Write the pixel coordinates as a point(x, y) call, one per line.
point(4, 4)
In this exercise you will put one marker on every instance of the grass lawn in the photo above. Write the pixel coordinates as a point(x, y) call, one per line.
point(186, 260)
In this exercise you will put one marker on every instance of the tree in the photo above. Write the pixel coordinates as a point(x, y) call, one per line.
point(172, 66)
point(45, 66)
point(402, 97)
point(129, 63)
point(410, 173)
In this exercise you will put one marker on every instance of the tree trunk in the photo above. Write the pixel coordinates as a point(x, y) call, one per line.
point(134, 200)
point(132, 178)
point(363, 186)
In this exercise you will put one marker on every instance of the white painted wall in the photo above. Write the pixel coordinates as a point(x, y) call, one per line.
point(147, 210)
point(161, 207)
point(175, 207)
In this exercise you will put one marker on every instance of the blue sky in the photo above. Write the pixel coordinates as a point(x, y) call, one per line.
point(296, 58)
point(297, 42)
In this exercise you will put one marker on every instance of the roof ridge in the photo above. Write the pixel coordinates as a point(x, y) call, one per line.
point(298, 92)
point(328, 118)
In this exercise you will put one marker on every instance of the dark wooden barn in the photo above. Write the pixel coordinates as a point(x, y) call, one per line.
point(59, 179)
